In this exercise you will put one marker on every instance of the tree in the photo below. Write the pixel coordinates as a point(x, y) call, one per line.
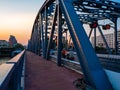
point(18, 46)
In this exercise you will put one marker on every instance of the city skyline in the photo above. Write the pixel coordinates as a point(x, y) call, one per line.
point(17, 18)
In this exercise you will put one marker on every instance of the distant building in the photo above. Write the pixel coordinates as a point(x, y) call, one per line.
point(118, 37)
point(12, 41)
point(4, 44)
point(109, 38)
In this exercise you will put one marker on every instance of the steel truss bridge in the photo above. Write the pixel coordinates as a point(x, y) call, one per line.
point(55, 15)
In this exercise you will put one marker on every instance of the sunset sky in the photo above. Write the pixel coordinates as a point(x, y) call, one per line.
point(17, 18)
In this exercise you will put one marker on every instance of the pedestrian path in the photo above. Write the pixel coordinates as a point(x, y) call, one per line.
point(46, 75)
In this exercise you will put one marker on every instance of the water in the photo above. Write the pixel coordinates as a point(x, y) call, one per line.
point(4, 59)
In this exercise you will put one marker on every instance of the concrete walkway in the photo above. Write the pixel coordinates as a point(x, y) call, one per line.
point(46, 75)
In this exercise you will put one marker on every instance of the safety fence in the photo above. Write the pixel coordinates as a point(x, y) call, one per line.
point(12, 73)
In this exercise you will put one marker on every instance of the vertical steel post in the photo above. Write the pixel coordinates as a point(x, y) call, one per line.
point(51, 34)
point(36, 37)
point(115, 36)
point(66, 39)
point(104, 40)
point(59, 47)
point(95, 39)
point(42, 34)
point(90, 33)
point(45, 48)
point(39, 26)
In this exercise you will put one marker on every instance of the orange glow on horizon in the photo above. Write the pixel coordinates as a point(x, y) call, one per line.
point(17, 25)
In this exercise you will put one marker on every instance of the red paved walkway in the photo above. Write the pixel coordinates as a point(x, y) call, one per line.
point(46, 75)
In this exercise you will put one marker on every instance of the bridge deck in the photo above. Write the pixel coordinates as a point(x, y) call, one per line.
point(46, 75)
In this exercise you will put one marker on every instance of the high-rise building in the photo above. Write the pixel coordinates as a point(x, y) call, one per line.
point(118, 38)
point(12, 40)
point(109, 38)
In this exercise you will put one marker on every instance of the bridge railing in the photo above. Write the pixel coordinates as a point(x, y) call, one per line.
point(68, 63)
point(111, 62)
point(11, 73)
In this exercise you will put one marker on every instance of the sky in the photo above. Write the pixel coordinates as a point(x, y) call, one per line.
point(17, 18)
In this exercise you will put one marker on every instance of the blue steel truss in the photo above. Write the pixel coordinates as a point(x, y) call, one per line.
point(49, 22)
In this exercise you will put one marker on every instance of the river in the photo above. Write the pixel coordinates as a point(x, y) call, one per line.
point(4, 59)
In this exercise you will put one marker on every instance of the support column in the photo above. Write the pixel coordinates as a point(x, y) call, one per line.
point(95, 39)
point(104, 40)
point(45, 48)
point(51, 34)
point(90, 32)
point(59, 47)
point(39, 27)
point(115, 36)
point(42, 35)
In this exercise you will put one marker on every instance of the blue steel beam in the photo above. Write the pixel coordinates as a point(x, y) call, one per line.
point(104, 40)
point(52, 32)
point(115, 32)
point(90, 33)
point(59, 45)
point(33, 40)
point(89, 61)
point(36, 38)
point(95, 38)
point(39, 49)
point(42, 35)
point(46, 18)
point(101, 4)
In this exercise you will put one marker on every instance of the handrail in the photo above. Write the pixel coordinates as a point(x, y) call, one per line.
point(108, 56)
point(10, 72)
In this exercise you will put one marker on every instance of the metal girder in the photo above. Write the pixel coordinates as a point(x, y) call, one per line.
point(90, 33)
point(89, 18)
point(46, 3)
point(42, 35)
point(115, 33)
point(95, 38)
point(45, 41)
point(101, 4)
point(51, 34)
point(39, 30)
point(36, 38)
point(100, 9)
point(59, 47)
point(104, 40)
point(88, 60)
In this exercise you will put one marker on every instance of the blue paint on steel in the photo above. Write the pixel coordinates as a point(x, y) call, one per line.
point(95, 38)
point(59, 47)
point(104, 40)
point(36, 38)
point(52, 32)
point(90, 33)
point(115, 32)
point(89, 61)
point(42, 35)
point(40, 46)
point(46, 18)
